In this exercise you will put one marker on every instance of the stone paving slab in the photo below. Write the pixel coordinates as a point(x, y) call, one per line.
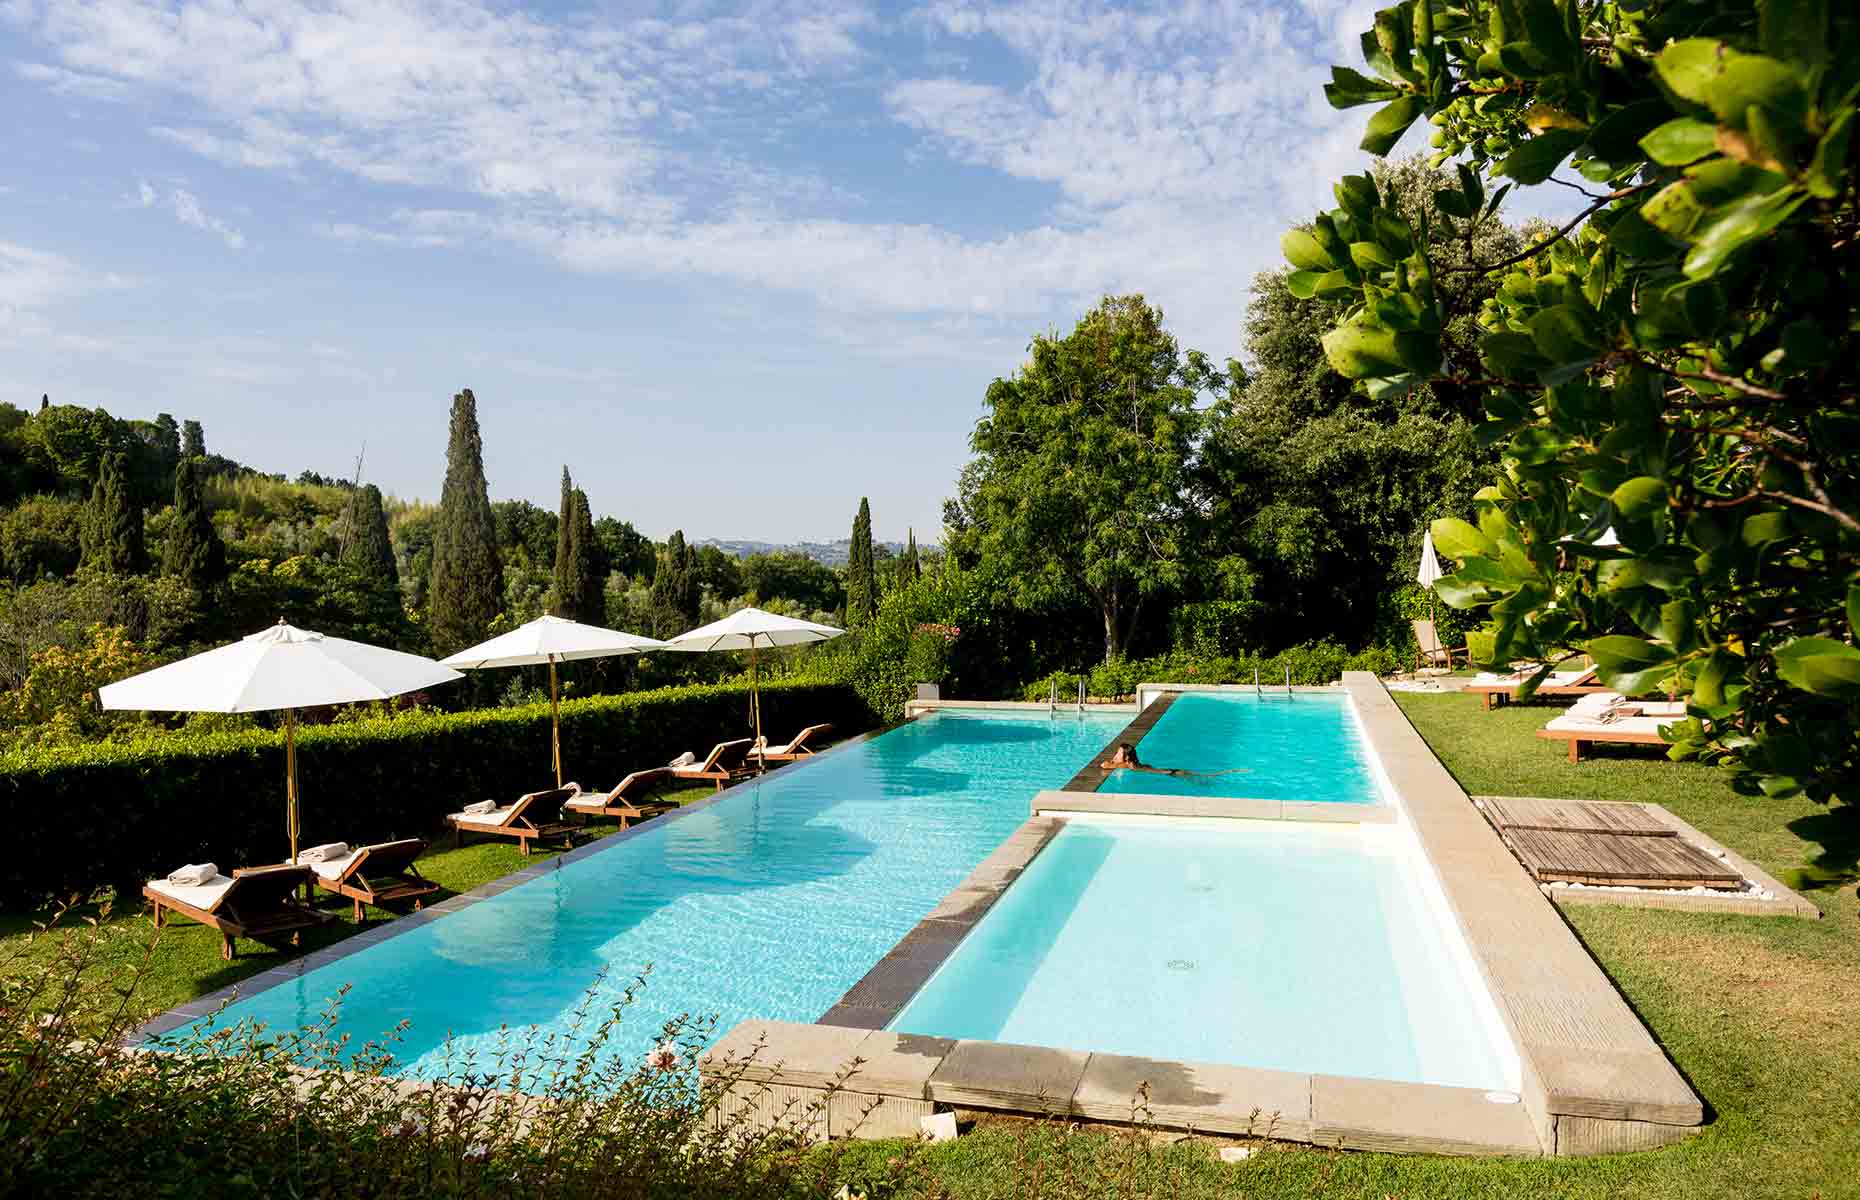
point(1198, 1096)
point(1033, 1079)
point(1379, 1114)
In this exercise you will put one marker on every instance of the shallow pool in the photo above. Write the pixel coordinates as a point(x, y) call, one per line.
point(1301, 746)
point(1299, 947)
point(769, 902)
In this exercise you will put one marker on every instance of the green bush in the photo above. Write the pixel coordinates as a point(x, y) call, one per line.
point(1311, 664)
point(243, 1111)
point(116, 814)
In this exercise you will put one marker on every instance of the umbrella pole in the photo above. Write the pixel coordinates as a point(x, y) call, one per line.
point(290, 777)
point(755, 705)
point(555, 725)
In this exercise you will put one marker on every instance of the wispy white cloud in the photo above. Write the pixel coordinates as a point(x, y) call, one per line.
point(1171, 140)
point(187, 210)
point(61, 81)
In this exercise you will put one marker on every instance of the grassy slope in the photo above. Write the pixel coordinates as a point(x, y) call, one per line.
point(1758, 1012)
point(185, 962)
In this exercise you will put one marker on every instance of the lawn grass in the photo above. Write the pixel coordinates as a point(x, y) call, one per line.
point(184, 962)
point(1759, 1013)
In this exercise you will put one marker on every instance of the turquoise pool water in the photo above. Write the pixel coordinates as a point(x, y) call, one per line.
point(1299, 947)
point(1305, 746)
point(770, 902)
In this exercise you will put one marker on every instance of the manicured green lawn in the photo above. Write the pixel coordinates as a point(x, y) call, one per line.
point(185, 963)
point(1759, 1013)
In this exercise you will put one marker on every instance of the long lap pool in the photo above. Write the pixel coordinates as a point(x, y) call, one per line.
point(1304, 746)
point(769, 902)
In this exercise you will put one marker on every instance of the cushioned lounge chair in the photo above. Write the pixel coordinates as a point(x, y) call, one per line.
point(1608, 719)
point(1495, 689)
point(796, 747)
point(724, 762)
point(258, 903)
point(535, 817)
point(628, 800)
point(382, 874)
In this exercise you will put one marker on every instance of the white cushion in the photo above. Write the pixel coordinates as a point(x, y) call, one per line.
point(202, 895)
point(333, 870)
point(498, 817)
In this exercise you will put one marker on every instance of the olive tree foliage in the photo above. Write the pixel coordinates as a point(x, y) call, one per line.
point(1670, 374)
point(1080, 482)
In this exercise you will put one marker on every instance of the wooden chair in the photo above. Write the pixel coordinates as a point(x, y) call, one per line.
point(534, 817)
point(1428, 650)
point(257, 902)
point(627, 801)
point(724, 763)
point(795, 748)
point(380, 875)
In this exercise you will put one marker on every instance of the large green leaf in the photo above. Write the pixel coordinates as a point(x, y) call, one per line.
point(1681, 141)
point(1731, 229)
point(1819, 665)
point(1459, 539)
point(1708, 72)
point(1640, 498)
point(1361, 350)
point(1619, 652)
point(1565, 334)
point(1390, 122)
point(1348, 88)
point(1305, 252)
point(1538, 159)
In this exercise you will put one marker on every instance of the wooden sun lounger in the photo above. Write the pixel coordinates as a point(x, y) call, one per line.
point(1581, 730)
point(723, 764)
point(535, 817)
point(378, 875)
point(628, 799)
point(258, 903)
point(797, 748)
point(1495, 694)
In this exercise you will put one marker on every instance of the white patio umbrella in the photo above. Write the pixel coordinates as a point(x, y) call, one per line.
point(752, 629)
point(550, 640)
point(1430, 570)
point(281, 668)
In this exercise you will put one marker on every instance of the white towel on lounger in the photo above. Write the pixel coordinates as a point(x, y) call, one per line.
point(686, 759)
point(193, 875)
point(480, 808)
point(327, 852)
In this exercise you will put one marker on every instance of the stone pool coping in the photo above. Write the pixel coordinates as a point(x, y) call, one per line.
point(382, 930)
point(1147, 804)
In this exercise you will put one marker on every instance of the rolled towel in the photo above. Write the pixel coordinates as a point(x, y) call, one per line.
point(327, 852)
point(481, 807)
point(193, 875)
point(686, 759)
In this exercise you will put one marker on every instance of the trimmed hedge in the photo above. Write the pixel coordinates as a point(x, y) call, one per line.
point(116, 814)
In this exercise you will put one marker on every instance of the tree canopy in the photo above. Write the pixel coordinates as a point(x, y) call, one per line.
point(1082, 466)
point(466, 592)
point(193, 552)
point(1670, 373)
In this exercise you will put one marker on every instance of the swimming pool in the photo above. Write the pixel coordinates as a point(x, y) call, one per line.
point(767, 903)
point(1303, 746)
point(1285, 945)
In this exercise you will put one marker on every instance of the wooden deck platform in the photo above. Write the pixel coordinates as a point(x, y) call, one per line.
point(1572, 841)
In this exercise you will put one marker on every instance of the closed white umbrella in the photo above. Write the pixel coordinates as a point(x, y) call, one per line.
point(752, 629)
point(281, 668)
point(1430, 570)
point(551, 640)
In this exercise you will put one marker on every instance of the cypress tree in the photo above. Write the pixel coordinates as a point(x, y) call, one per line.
point(861, 573)
point(193, 552)
point(167, 445)
point(589, 574)
point(912, 570)
point(193, 440)
point(369, 547)
point(466, 590)
point(112, 538)
point(675, 588)
point(567, 589)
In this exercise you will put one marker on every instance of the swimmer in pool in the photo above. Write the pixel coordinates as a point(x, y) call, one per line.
point(1124, 758)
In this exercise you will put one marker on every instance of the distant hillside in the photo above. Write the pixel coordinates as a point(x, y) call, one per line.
point(831, 554)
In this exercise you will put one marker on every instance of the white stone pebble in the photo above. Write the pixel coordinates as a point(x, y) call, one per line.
point(1234, 1154)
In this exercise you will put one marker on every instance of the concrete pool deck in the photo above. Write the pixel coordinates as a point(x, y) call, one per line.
point(1593, 1080)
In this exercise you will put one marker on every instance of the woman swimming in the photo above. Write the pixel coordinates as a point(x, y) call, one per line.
point(1124, 758)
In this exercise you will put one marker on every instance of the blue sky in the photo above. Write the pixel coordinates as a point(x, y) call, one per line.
point(735, 265)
